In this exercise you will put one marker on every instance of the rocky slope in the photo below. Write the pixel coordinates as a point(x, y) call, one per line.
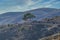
point(35, 30)
point(53, 37)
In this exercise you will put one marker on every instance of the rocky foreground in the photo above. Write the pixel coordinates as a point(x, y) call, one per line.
point(35, 30)
point(52, 37)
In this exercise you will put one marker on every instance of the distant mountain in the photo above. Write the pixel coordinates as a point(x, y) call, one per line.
point(15, 17)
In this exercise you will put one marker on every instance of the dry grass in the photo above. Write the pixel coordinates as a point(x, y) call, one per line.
point(53, 37)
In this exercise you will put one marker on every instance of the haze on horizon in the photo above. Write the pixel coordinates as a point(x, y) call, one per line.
point(24, 5)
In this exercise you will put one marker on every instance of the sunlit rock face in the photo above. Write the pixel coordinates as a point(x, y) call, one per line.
point(52, 37)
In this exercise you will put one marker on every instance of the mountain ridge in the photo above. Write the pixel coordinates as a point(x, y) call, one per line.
point(41, 13)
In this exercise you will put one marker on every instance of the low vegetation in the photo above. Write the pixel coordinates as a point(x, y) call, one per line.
point(33, 30)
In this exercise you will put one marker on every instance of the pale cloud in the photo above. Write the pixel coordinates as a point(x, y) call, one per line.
point(24, 5)
point(30, 2)
point(48, 6)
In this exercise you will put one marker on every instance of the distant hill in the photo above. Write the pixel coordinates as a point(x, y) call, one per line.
point(16, 17)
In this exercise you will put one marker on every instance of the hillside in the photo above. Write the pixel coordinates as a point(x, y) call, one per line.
point(34, 30)
point(41, 13)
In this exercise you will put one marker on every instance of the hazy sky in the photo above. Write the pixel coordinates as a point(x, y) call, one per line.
point(24, 5)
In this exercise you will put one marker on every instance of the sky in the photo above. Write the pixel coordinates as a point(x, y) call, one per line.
point(25, 5)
